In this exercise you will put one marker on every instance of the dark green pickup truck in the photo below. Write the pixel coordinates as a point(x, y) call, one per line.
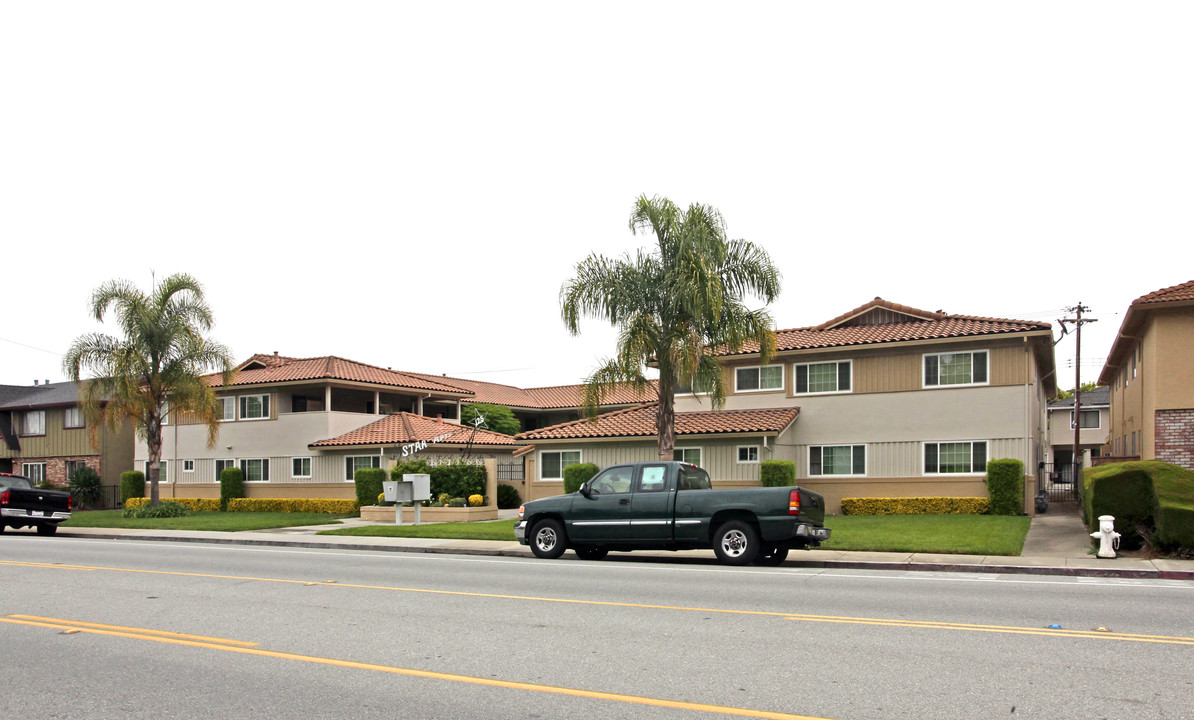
point(672, 506)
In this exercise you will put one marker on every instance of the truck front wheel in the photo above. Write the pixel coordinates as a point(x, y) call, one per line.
point(736, 543)
point(547, 540)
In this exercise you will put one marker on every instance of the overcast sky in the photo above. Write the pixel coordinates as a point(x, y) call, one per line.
point(409, 184)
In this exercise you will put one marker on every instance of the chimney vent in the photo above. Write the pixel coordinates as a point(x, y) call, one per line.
point(35, 383)
point(439, 418)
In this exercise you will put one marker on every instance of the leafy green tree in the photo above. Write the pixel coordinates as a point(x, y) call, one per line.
point(1087, 387)
point(672, 304)
point(498, 418)
point(154, 368)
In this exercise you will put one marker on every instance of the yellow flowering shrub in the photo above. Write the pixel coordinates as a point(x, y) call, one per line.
point(914, 506)
point(475, 501)
point(304, 505)
point(192, 504)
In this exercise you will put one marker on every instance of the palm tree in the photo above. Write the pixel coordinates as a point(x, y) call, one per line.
point(156, 367)
point(672, 305)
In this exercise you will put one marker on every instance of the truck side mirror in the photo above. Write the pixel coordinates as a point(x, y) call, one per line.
point(586, 490)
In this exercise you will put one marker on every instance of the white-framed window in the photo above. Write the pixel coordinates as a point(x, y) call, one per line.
point(955, 458)
point(748, 454)
point(188, 466)
point(300, 467)
point(163, 471)
point(824, 377)
point(689, 455)
point(227, 411)
point(254, 407)
point(837, 460)
point(33, 422)
point(553, 462)
point(222, 465)
point(72, 417)
point(36, 472)
point(255, 469)
point(958, 368)
point(757, 379)
point(1088, 418)
point(352, 463)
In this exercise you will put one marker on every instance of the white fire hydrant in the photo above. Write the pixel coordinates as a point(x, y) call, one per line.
point(1108, 538)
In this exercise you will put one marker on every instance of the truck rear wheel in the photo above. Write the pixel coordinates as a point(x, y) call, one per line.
point(547, 540)
point(736, 543)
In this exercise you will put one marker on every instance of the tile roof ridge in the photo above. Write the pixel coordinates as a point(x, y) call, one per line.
point(570, 423)
point(879, 302)
point(406, 427)
point(1158, 296)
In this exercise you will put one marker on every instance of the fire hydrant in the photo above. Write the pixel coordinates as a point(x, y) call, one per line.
point(1108, 538)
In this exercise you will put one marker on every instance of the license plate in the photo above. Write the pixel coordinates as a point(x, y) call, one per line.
point(37, 513)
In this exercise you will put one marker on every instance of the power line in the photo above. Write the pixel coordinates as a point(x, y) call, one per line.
point(31, 347)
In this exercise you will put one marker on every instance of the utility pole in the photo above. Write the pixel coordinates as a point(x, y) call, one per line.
point(1078, 322)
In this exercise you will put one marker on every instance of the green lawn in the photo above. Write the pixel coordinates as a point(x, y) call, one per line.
point(214, 521)
point(954, 534)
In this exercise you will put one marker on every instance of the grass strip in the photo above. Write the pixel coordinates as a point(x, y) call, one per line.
point(208, 521)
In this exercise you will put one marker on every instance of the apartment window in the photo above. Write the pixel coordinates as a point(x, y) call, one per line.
point(1088, 418)
point(766, 377)
point(164, 412)
point(222, 465)
point(964, 368)
point(955, 458)
point(73, 466)
point(827, 377)
point(352, 463)
point(696, 386)
point(227, 408)
point(748, 454)
point(36, 472)
point(33, 422)
point(255, 469)
point(689, 455)
point(553, 462)
point(254, 407)
point(837, 460)
point(72, 417)
point(300, 467)
point(188, 466)
point(163, 471)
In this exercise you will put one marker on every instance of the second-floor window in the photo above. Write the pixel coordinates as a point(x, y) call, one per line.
point(254, 407)
point(72, 417)
point(227, 410)
point(766, 377)
point(1088, 418)
point(960, 368)
point(34, 423)
point(826, 377)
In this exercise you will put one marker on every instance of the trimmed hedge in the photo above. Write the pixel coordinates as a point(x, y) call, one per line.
point(915, 506)
point(777, 473)
point(458, 479)
point(1005, 487)
point(368, 483)
point(577, 475)
point(1127, 491)
point(507, 497)
point(132, 485)
point(295, 505)
point(192, 504)
point(232, 485)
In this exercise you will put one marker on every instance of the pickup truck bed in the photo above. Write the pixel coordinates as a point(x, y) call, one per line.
point(22, 505)
point(672, 506)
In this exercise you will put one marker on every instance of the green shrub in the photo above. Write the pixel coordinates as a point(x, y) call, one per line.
point(507, 497)
point(132, 485)
point(458, 479)
point(577, 475)
point(161, 510)
point(915, 506)
point(192, 504)
point(232, 485)
point(84, 487)
point(777, 473)
point(1005, 487)
point(368, 484)
point(1123, 492)
point(410, 467)
point(458, 503)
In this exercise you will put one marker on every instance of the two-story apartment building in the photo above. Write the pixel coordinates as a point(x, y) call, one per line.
point(891, 401)
point(1093, 420)
point(45, 436)
point(1150, 371)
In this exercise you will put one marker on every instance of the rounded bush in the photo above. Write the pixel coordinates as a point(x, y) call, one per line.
point(577, 475)
point(508, 497)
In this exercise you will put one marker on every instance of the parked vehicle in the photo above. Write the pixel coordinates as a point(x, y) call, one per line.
point(22, 505)
point(673, 506)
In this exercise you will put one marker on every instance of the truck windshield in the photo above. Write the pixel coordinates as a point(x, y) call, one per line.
point(694, 478)
point(15, 481)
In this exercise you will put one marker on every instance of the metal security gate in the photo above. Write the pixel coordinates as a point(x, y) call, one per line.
point(510, 471)
point(1056, 481)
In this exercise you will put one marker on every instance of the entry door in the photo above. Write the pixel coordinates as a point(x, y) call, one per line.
point(605, 514)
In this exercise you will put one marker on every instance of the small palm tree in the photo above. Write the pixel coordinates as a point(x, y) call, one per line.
point(672, 305)
point(156, 367)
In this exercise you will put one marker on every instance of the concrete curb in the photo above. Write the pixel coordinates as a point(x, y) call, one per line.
point(456, 549)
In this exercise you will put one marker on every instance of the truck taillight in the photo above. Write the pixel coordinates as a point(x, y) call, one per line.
point(4, 497)
point(794, 502)
point(69, 502)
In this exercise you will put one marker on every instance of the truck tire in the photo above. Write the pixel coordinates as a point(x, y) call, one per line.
point(589, 552)
point(47, 529)
point(547, 539)
point(736, 543)
point(772, 557)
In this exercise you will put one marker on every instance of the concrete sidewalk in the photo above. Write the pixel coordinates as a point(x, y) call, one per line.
point(1057, 544)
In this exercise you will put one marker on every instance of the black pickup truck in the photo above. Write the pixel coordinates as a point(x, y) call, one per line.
point(672, 506)
point(22, 505)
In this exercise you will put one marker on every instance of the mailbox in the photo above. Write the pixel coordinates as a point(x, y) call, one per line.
point(397, 492)
point(420, 484)
point(412, 488)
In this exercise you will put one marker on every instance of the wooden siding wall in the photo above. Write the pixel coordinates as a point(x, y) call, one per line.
point(57, 442)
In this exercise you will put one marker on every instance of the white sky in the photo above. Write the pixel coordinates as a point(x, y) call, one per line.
point(409, 184)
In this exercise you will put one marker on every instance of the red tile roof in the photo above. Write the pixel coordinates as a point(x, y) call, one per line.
point(640, 422)
point(262, 369)
point(902, 323)
point(1134, 318)
point(541, 398)
point(405, 427)
point(1176, 293)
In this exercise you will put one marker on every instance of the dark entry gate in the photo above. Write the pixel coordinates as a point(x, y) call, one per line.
point(1056, 481)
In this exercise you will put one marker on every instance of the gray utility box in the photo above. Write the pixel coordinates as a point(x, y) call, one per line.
point(411, 488)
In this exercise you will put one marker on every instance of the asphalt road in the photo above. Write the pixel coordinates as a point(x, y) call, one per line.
point(120, 629)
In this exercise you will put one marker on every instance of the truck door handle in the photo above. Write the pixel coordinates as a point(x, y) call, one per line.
point(624, 501)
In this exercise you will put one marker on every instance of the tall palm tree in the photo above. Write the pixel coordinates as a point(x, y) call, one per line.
point(156, 367)
point(672, 304)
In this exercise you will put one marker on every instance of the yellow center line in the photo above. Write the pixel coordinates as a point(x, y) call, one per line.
point(78, 624)
point(174, 639)
point(647, 606)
